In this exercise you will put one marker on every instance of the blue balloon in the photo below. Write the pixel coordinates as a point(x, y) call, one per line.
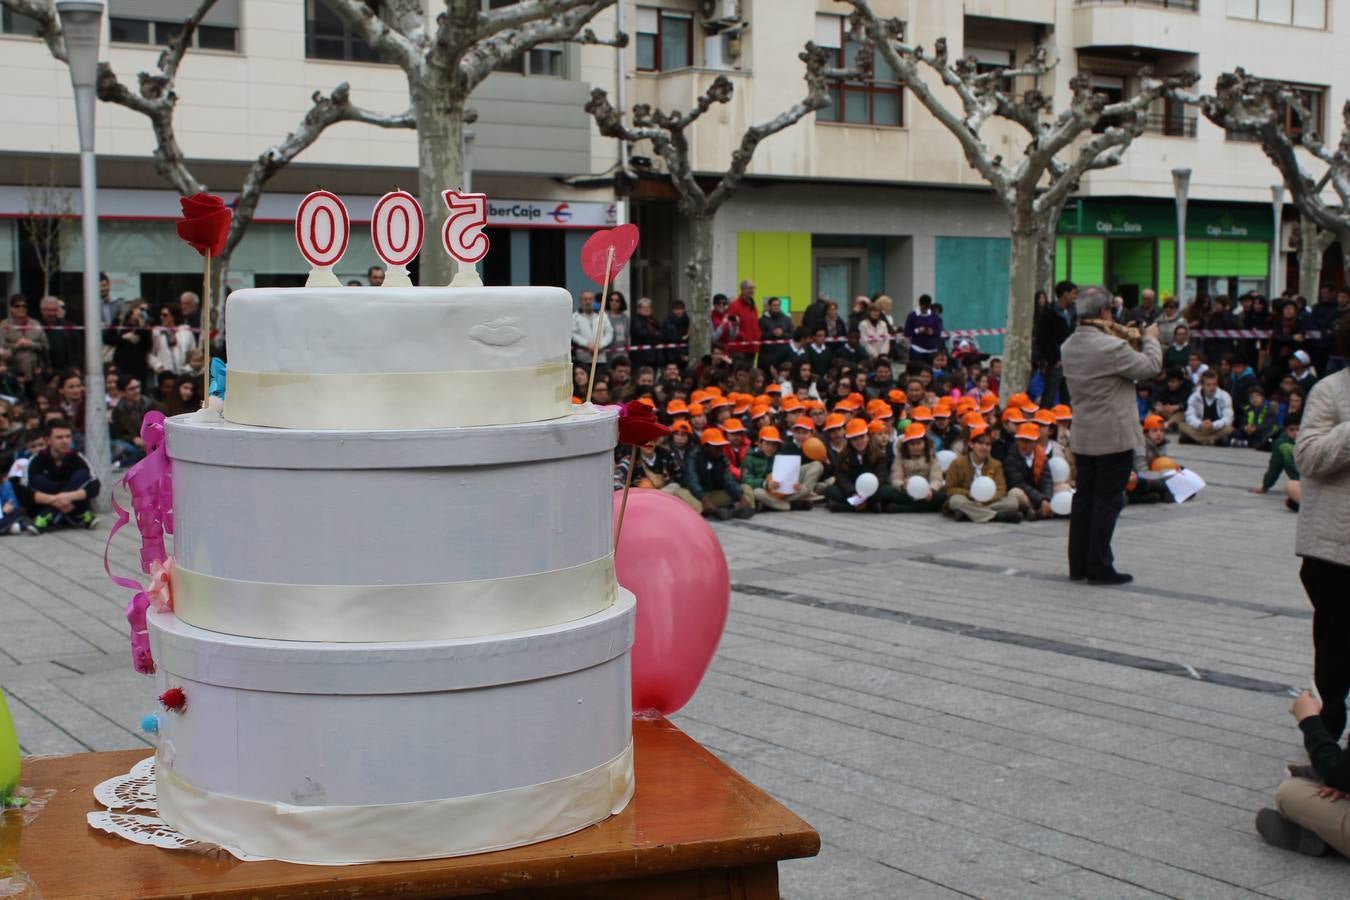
point(150, 724)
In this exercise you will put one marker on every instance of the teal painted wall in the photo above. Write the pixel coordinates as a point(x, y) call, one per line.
point(972, 284)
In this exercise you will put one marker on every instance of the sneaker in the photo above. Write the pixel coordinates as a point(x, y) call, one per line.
point(44, 521)
point(1280, 832)
point(30, 529)
point(86, 520)
point(744, 512)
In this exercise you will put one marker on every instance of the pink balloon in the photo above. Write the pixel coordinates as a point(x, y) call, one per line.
point(672, 561)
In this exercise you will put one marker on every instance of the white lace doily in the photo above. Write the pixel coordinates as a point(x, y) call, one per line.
point(131, 814)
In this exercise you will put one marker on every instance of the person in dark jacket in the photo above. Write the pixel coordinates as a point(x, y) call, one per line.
point(63, 347)
point(707, 476)
point(1257, 423)
point(1281, 462)
point(644, 330)
point(1169, 400)
point(859, 456)
point(1309, 816)
point(1237, 378)
point(675, 330)
point(131, 343)
point(1027, 470)
point(1056, 323)
point(60, 482)
point(923, 329)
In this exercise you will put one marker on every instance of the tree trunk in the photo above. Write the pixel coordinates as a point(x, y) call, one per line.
point(699, 272)
point(1022, 283)
point(1310, 248)
point(1045, 263)
point(440, 165)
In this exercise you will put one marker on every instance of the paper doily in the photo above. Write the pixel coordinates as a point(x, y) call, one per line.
point(130, 814)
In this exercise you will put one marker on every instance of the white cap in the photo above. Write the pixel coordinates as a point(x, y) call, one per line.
point(1303, 357)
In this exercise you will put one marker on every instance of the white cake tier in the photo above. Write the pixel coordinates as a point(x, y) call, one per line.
point(348, 753)
point(359, 536)
point(398, 357)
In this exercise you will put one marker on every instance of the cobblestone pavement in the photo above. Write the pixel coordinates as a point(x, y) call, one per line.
point(953, 715)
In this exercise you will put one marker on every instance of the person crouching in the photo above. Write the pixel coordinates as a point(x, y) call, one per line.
point(708, 477)
point(917, 458)
point(961, 474)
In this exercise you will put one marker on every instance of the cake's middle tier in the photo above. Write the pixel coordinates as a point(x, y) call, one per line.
point(359, 536)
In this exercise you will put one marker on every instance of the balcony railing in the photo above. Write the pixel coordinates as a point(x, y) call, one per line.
point(1184, 5)
point(1170, 125)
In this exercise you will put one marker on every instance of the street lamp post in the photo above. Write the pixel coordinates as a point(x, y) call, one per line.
point(1276, 212)
point(1181, 181)
point(82, 23)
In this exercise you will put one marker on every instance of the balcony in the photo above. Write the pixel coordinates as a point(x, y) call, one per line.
point(1165, 25)
point(1039, 12)
point(1170, 125)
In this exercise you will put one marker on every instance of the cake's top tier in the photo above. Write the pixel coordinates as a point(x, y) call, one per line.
point(430, 357)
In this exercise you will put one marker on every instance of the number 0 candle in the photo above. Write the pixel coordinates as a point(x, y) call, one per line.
point(396, 229)
point(322, 230)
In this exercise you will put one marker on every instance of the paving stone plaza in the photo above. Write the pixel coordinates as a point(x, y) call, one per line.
point(950, 712)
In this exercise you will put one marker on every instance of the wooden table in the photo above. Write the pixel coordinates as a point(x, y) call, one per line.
point(695, 829)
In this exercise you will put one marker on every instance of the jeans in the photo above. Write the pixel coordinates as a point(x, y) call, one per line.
point(1096, 506)
point(127, 453)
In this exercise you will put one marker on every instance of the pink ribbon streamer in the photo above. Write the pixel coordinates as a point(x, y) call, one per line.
point(150, 484)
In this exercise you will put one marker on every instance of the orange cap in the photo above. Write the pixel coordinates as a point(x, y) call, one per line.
point(855, 427)
point(577, 400)
point(774, 389)
point(647, 401)
point(1028, 431)
point(896, 396)
point(1013, 414)
point(713, 437)
point(1062, 413)
point(833, 421)
point(791, 403)
point(713, 390)
point(1154, 421)
point(921, 414)
point(856, 397)
point(876, 426)
point(966, 404)
point(769, 433)
point(883, 411)
point(684, 426)
point(719, 402)
point(812, 405)
point(677, 407)
point(1044, 417)
point(988, 403)
point(733, 426)
point(757, 412)
point(914, 432)
point(1021, 401)
point(849, 404)
point(804, 422)
point(696, 409)
point(699, 396)
point(742, 405)
point(971, 419)
point(978, 431)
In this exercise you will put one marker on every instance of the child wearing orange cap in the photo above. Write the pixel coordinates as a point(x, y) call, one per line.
point(698, 417)
point(1026, 471)
point(861, 455)
point(757, 476)
point(1149, 489)
point(803, 429)
point(655, 467)
point(978, 461)
point(707, 476)
point(917, 457)
point(738, 445)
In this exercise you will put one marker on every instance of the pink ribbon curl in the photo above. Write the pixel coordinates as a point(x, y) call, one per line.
point(150, 485)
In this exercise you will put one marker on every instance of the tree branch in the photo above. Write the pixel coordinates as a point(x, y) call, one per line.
point(391, 44)
point(48, 23)
point(477, 61)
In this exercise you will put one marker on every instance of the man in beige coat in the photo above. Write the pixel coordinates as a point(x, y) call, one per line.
point(1101, 371)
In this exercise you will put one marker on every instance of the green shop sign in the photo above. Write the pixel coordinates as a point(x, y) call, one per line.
point(1107, 218)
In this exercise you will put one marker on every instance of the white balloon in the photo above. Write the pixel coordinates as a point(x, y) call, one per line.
point(982, 489)
point(1062, 503)
point(1059, 469)
point(944, 458)
point(866, 485)
point(917, 487)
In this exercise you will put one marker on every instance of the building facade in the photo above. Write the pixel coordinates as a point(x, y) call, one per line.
point(870, 195)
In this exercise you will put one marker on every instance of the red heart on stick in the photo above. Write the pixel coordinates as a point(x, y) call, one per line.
point(595, 252)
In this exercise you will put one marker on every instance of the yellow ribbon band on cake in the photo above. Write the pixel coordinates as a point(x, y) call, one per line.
point(356, 613)
point(342, 835)
point(331, 400)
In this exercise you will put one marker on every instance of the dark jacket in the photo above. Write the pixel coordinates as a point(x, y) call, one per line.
point(125, 423)
point(71, 472)
point(1052, 329)
point(706, 469)
point(645, 330)
point(849, 464)
point(1017, 474)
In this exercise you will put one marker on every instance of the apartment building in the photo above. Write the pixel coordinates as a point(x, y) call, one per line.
point(869, 195)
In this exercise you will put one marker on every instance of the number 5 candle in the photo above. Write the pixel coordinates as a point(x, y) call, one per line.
point(463, 235)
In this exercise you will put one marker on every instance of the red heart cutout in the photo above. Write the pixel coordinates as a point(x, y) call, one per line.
point(595, 252)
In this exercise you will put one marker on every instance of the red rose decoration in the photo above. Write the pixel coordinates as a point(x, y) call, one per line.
point(174, 699)
point(638, 425)
point(205, 223)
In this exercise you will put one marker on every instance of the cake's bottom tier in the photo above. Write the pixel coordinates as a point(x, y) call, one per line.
point(348, 753)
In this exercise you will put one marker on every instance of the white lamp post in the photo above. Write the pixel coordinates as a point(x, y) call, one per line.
point(82, 22)
point(1276, 212)
point(1181, 181)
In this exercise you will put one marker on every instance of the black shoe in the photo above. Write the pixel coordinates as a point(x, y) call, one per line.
point(723, 513)
point(1280, 832)
point(836, 506)
point(1010, 518)
point(744, 512)
point(1110, 579)
point(1290, 505)
point(1073, 577)
point(799, 504)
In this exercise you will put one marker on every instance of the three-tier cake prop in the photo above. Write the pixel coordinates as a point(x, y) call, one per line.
point(391, 627)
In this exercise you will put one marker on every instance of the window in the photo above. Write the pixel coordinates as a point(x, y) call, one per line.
point(1312, 98)
point(327, 37)
point(1113, 88)
point(990, 60)
point(875, 102)
point(160, 21)
point(1301, 13)
point(13, 23)
point(665, 40)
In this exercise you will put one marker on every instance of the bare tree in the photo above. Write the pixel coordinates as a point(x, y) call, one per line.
point(1263, 110)
point(1034, 188)
point(444, 60)
point(46, 223)
point(666, 132)
point(156, 99)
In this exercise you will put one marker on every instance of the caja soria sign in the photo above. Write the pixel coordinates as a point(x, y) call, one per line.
point(551, 214)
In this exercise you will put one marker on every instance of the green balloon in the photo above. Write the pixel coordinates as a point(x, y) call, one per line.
point(9, 754)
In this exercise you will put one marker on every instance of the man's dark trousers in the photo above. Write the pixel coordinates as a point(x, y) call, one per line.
point(1097, 503)
point(1326, 583)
